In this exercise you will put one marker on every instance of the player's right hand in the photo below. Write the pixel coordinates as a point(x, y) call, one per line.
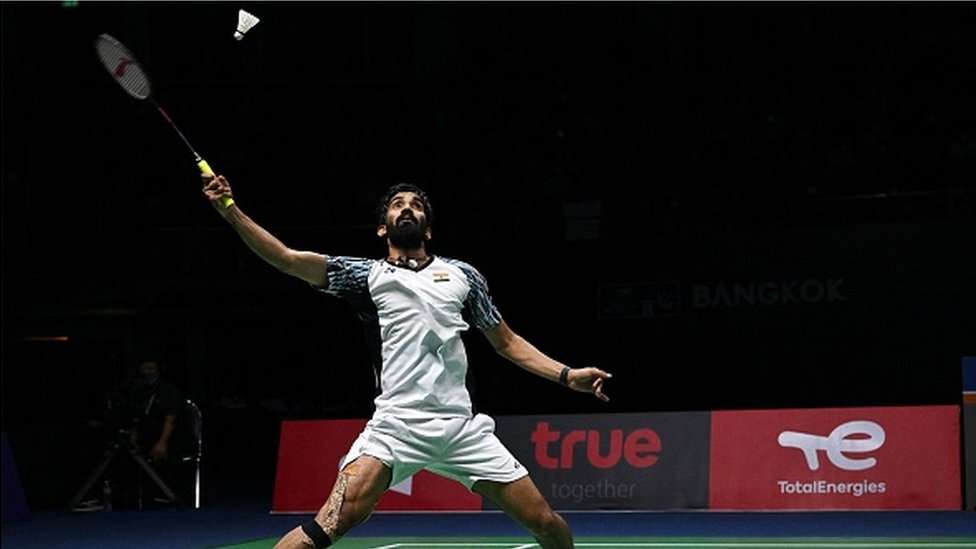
point(215, 188)
point(589, 380)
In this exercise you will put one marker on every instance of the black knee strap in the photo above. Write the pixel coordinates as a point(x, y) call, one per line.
point(319, 538)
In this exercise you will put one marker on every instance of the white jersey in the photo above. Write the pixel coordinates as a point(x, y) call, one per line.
point(417, 318)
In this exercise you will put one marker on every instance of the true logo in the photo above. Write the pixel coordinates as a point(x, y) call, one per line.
point(640, 448)
point(869, 437)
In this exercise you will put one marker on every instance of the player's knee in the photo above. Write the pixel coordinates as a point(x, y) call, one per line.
point(545, 523)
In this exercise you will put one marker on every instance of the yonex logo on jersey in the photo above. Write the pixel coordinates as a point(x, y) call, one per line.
point(837, 443)
point(441, 277)
point(640, 448)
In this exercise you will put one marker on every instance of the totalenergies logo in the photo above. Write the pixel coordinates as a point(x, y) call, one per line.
point(869, 437)
point(639, 448)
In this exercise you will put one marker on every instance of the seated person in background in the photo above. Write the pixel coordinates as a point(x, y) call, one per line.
point(151, 406)
point(153, 403)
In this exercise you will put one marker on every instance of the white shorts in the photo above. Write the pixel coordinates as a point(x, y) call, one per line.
point(458, 448)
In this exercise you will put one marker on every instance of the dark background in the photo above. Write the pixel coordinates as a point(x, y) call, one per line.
point(603, 165)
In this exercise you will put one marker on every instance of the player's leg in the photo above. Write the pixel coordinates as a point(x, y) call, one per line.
point(522, 501)
point(357, 489)
point(477, 459)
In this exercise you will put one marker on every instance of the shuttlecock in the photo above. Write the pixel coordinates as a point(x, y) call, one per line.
point(245, 22)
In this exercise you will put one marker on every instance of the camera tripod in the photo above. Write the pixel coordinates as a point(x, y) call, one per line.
point(121, 443)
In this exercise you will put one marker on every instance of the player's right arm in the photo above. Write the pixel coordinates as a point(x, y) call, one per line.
point(308, 266)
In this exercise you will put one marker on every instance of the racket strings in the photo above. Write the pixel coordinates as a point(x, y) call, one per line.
point(123, 66)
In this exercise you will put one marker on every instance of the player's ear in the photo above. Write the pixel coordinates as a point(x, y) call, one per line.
point(427, 234)
point(381, 231)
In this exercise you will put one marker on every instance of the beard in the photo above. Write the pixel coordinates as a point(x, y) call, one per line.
point(406, 236)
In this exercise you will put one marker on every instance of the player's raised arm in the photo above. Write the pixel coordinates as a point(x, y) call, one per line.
point(516, 349)
point(308, 266)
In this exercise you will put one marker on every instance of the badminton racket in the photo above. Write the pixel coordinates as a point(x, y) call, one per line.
point(128, 73)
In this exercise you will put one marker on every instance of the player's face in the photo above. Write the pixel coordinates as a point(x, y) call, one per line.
point(405, 208)
point(406, 225)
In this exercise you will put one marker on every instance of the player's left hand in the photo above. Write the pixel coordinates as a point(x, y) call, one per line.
point(588, 380)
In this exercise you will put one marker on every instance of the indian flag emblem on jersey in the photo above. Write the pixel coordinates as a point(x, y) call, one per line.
point(441, 277)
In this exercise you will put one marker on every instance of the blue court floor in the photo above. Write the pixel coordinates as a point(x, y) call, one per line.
point(252, 524)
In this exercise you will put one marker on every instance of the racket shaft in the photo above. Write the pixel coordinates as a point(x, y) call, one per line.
point(176, 129)
point(201, 163)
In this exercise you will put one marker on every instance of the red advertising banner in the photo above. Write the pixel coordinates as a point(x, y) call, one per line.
point(614, 461)
point(308, 463)
point(836, 458)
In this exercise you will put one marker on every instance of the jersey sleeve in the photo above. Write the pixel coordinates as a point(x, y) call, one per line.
point(347, 276)
point(479, 306)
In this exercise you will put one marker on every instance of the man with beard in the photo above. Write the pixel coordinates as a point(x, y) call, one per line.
point(415, 306)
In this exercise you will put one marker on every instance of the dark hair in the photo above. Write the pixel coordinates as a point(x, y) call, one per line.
point(403, 188)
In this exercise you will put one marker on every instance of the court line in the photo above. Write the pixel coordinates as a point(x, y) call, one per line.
point(837, 544)
point(744, 544)
point(854, 544)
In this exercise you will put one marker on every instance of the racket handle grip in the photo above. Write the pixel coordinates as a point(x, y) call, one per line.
point(205, 170)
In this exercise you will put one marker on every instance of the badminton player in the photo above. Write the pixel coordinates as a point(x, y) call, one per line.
point(416, 305)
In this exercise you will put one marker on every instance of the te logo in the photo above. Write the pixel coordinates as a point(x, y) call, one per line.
point(639, 448)
point(837, 443)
